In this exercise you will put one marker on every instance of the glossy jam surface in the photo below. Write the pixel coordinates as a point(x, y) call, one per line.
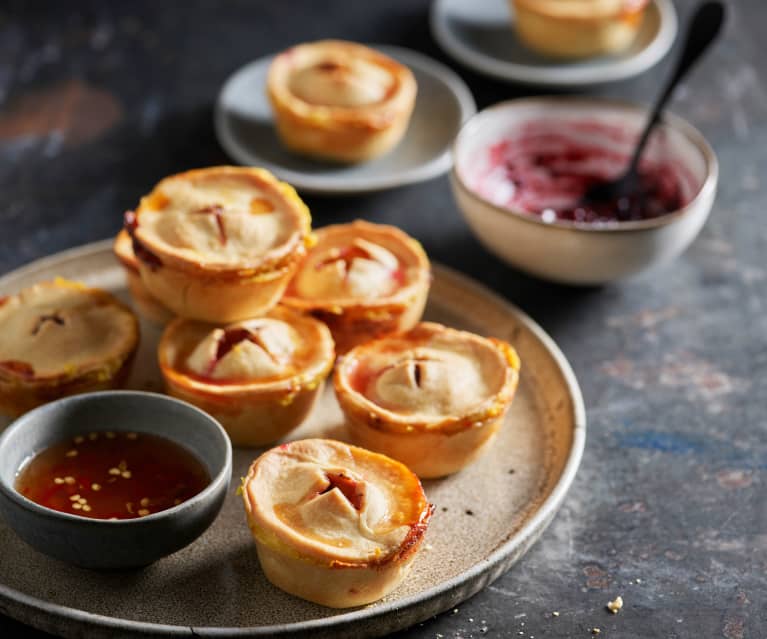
point(546, 171)
point(112, 475)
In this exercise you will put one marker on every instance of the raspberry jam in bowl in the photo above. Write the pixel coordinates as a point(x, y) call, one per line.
point(522, 167)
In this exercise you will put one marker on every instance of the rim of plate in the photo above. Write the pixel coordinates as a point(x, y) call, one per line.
point(339, 185)
point(529, 531)
point(557, 75)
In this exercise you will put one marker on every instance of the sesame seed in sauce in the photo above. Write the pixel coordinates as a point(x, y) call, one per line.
point(90, 480)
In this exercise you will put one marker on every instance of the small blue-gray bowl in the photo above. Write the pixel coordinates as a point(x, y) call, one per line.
point(128, 543)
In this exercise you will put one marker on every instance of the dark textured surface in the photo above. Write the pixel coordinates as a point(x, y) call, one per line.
point(99, 100)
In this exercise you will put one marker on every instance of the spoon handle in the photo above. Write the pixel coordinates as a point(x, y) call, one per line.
point(703, 29)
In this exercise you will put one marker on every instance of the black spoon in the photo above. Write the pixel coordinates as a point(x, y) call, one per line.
point(701, 32)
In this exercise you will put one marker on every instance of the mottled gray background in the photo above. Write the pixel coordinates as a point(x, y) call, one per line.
point(98, 100)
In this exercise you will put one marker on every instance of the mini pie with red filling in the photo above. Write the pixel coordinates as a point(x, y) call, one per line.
point(335, 524)
point(433, 397)
point(143, 300)
point(339, 100)
point(578, 28)
point(259, 377)
point(61, 338)
point(219, 244)
point(363, 280)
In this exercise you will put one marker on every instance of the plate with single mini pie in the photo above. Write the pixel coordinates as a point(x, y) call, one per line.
point(324, 530)
point(556, 43)
point(338, 117)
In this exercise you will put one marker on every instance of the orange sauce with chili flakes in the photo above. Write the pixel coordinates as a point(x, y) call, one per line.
point(112, 475)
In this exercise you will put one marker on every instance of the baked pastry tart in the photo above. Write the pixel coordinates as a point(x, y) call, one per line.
point(433, 397)
point(334, 524)
point(363, 280)
point(259, 377)
point(62, 338)
point(578, 28)
point(339, 100)
point(219, 244)
point(147, 305)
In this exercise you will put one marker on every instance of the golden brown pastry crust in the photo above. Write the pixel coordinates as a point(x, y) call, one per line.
point(333, 523)
point(432, 397)
point(352, 319)
point(578, 28)
point(365, 116)
point(259, 410)
point(61, 338)
point(219, 244)
point(147, 305)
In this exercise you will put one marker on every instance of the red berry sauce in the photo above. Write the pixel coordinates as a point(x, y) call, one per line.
point(545, 170)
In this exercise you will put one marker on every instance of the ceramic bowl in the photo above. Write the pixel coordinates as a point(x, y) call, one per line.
point(584, 253)
point(128, 543)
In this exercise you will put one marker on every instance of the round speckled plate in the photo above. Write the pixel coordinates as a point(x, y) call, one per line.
point(486, 516)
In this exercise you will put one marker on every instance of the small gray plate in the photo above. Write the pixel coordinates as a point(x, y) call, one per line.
point(480, 34)
point(245, 128)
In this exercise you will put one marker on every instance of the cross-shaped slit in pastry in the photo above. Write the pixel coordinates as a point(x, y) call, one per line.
point(349, 488)
point(233, 336)
point(217, 211)
point(54, 317)
point(359, 249)
point(414, 369)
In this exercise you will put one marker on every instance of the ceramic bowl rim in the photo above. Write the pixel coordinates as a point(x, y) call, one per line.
point(679, 124)
point(222, 476)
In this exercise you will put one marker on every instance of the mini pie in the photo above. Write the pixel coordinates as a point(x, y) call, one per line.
point(62, 338)
point(259, 377)
point(143, 300)
point(219, 244)
point(333, 523)
point(339, 100)
point(433, 397)
point(363, 280)
point(578, 28)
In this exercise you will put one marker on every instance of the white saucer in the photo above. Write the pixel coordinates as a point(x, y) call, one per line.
point(245, 129)
point(480, 35)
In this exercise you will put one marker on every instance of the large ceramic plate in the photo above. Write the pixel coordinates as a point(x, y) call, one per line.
point(486, 516)
point(245, 128)
point(480, 35)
